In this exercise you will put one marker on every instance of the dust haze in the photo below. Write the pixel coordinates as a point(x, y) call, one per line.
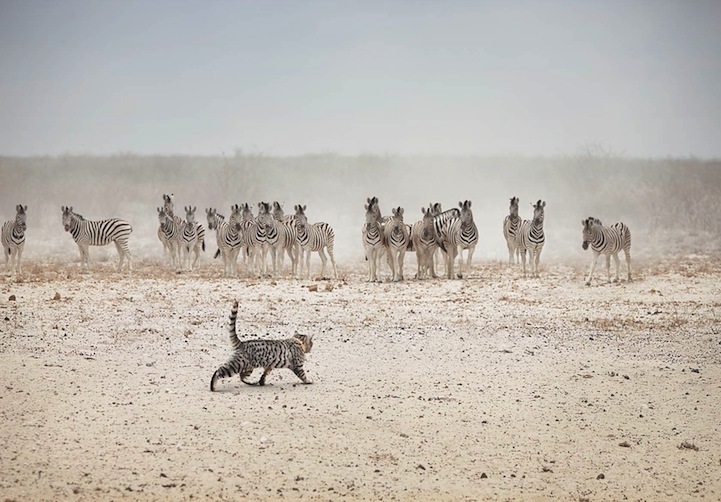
point(671, 205)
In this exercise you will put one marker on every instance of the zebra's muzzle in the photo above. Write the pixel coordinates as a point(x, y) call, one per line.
point(584, 245)
point(67, 228)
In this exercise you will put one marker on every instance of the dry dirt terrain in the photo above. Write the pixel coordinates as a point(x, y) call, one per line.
point(493, 387)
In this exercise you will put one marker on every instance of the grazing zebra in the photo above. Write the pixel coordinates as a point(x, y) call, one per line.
point(227, 238)
point(373, 241)
point(280, 238)
point(97, 233)
point(314, 237)
point(396, 239)
point(530, 237)
point(423, 236)
point(191, 239)
point(458, 234)
point(13, 238)
point(608, 241)
point(511, 223)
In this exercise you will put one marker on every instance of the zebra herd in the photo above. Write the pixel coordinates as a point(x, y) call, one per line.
point(439, 235)
point(270, 232)
point(445, 232)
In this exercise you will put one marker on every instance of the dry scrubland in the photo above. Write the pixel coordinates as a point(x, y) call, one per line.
point(492, 387)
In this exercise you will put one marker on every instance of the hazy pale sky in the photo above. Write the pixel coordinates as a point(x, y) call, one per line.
point(292, 77)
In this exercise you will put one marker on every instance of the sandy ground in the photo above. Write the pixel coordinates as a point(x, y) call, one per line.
point(493, 387)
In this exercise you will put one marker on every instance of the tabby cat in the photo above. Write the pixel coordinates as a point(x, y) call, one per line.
point(267, 354)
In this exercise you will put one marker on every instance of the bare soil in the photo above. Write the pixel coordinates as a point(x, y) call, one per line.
point(492, 387)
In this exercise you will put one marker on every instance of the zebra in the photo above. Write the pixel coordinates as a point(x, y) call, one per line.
point(440, 218)
point(373, 241)
point(511, 223)
point(172, 233)
point(13, 238)
point(280, 237)
point(314, 237)
point(227, 237)
point(253, 239)
point(280, 216)
point(423, 237)
point(607, 241)
point(191, 239)
point(436, 210)
point(397, 239)
point(530, 237)
point(175, 243)
point(458, 234)
point(98, 233)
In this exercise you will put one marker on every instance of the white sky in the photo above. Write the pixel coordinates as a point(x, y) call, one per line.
point(409, 77)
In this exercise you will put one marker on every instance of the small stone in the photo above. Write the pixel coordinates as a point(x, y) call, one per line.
point(56, 297)
point(601, 476)
point(624, 444)
point(313, 287)
point(12, 298)
point(483, 476)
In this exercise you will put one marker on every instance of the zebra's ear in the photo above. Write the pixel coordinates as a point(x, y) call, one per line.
point(25, 208)
point(304, 206)
point(460, 204)
point(469, 203)
point(544, 204)
point(400, 210)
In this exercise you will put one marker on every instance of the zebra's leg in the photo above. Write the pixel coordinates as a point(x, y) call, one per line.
point(197, 254)
point(459, 255)
point(8, 254)
point(300, 372)
point(593, 267)
point(332, 261)
point(323, 261)
point(392, 263)
point(511, 252)
point(618, 264)
point(121, 255)
point(401, 262)
point(608, 267)
point(84, 258)
point(627, 252)
point(307, 262)
point(18, 256)
point(523, 259)
point(420, 261)
point(537, 255)
point(471, 250)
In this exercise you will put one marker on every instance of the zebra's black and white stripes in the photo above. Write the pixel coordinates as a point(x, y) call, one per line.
point(314, 237)
point(13, 238)
point(423, 236)
point(373, 241)
point(457, 234)
point(397, 238)
point(280, 237)
point(531, 238)
point(98, 233)
point(227, 237)
point(511, 224)
point(607, 241)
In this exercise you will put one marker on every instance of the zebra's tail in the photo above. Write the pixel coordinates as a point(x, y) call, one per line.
point(203, 245)
point(217, 253)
